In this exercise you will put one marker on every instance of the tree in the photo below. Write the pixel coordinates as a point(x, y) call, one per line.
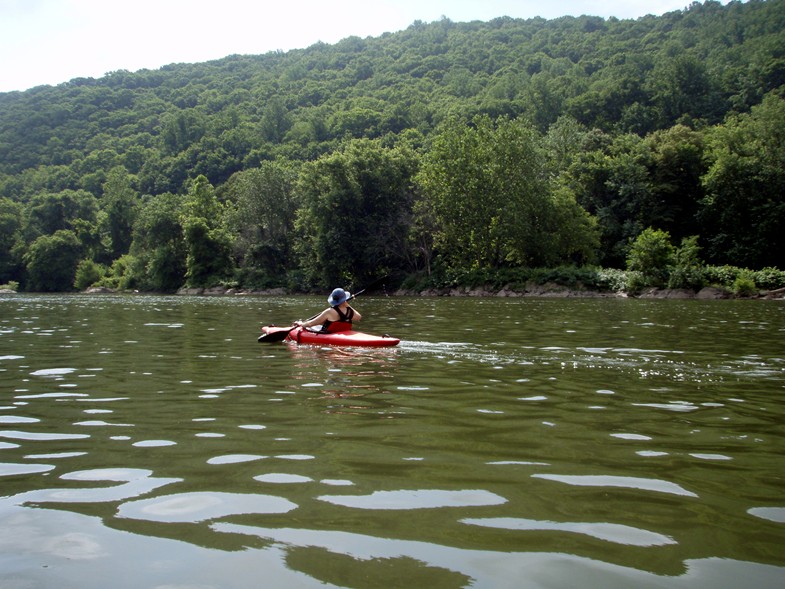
point(676, 166)
point(260, 214)
point(119, 202)
point(51, 261)
point(651, 254)
point(275, 121)
point(51, 212)
point(494, 203)
point(158, 245)
point(744, 207)
point(10, 240)
point(354, 213)
point(207, 243)
point(611, 180)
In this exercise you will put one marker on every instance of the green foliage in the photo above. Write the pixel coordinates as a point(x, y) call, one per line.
point(744, 285)
point(88, 273)
point(769, 278)
point(744, 208)
point(687, 270)
point(651, 254)
point(158, 245)
point(355, 205)
point(261, 206)
point(727, 276)
point(125, 273)
point(493, 204)
point(119, 202)
point(609, 126)
point(52, 260)
point(207, 261)
point(207, 243)
point(10, 239)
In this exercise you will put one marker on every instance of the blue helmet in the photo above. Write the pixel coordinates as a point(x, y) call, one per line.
point(338, 296)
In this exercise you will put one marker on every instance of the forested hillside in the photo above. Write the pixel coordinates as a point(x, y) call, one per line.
point(436, 152)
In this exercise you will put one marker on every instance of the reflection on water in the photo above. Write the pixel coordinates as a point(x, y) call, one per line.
point(504, 443)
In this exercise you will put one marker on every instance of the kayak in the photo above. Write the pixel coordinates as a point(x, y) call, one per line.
point(303, 335)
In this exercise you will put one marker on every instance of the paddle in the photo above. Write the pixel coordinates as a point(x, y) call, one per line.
point(278, 334)
point(275, 334)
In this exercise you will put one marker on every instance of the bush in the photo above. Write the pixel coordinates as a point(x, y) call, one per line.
point(88, 273)
point(652, 255)
point(126, 273)
point(613, 280)
point(744, 285)
point(769, 278)
point(687, 271)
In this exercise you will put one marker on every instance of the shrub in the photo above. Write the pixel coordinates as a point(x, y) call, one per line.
point(652, 255)
point(769, 278)
point(687, 271)
point(126, 273)
point(88, 273)
point(721, 275)
point(744, 285)
point(613, 280)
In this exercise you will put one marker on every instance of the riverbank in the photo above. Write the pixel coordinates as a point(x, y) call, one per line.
point(543, 290)
point(546, 291)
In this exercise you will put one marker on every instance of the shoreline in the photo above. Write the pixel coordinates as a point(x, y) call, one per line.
point(538, 291)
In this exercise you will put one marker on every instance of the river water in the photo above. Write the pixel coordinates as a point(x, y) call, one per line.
point(151, 442)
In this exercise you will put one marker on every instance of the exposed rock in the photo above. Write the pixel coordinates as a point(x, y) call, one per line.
point(215, 291)
point(778, 293)
point(711, 292)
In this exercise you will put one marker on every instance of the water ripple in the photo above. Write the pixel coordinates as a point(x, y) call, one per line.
point(620, 534)
point(19, 435)
point(639, 483)
point(196, 507)
point(8, 469)
point(416, 499)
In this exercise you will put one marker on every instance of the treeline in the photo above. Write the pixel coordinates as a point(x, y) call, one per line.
point(445, 150)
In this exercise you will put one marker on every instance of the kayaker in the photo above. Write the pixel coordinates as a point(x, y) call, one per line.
point(338, 317)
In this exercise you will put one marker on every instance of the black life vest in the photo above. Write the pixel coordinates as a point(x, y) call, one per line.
point(344, 322)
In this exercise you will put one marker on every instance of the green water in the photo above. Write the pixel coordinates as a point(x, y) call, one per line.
point(152, 442)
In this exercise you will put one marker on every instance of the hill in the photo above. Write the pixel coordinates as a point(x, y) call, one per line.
point(631, 115)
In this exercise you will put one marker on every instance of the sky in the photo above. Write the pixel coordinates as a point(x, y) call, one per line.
point(54, 41)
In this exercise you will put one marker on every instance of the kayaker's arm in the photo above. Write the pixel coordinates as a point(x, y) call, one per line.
point(319, 319)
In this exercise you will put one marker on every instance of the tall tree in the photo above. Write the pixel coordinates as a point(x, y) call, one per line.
point(494, 202)
point(159, 245)
point(119, 202)
point(52, 260)
point(10, 240)
point(354, 213)
point(261, 214)
point(207, 242)
point(744, 208)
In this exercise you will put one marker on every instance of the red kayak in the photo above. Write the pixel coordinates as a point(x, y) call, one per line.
point(303, 335)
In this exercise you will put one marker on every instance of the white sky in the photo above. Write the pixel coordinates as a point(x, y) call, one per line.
point(53, 41)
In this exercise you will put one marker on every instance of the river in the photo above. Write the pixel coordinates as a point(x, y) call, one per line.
point(151, 442)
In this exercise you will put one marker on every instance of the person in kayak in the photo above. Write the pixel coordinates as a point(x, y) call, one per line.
point(338, 317)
